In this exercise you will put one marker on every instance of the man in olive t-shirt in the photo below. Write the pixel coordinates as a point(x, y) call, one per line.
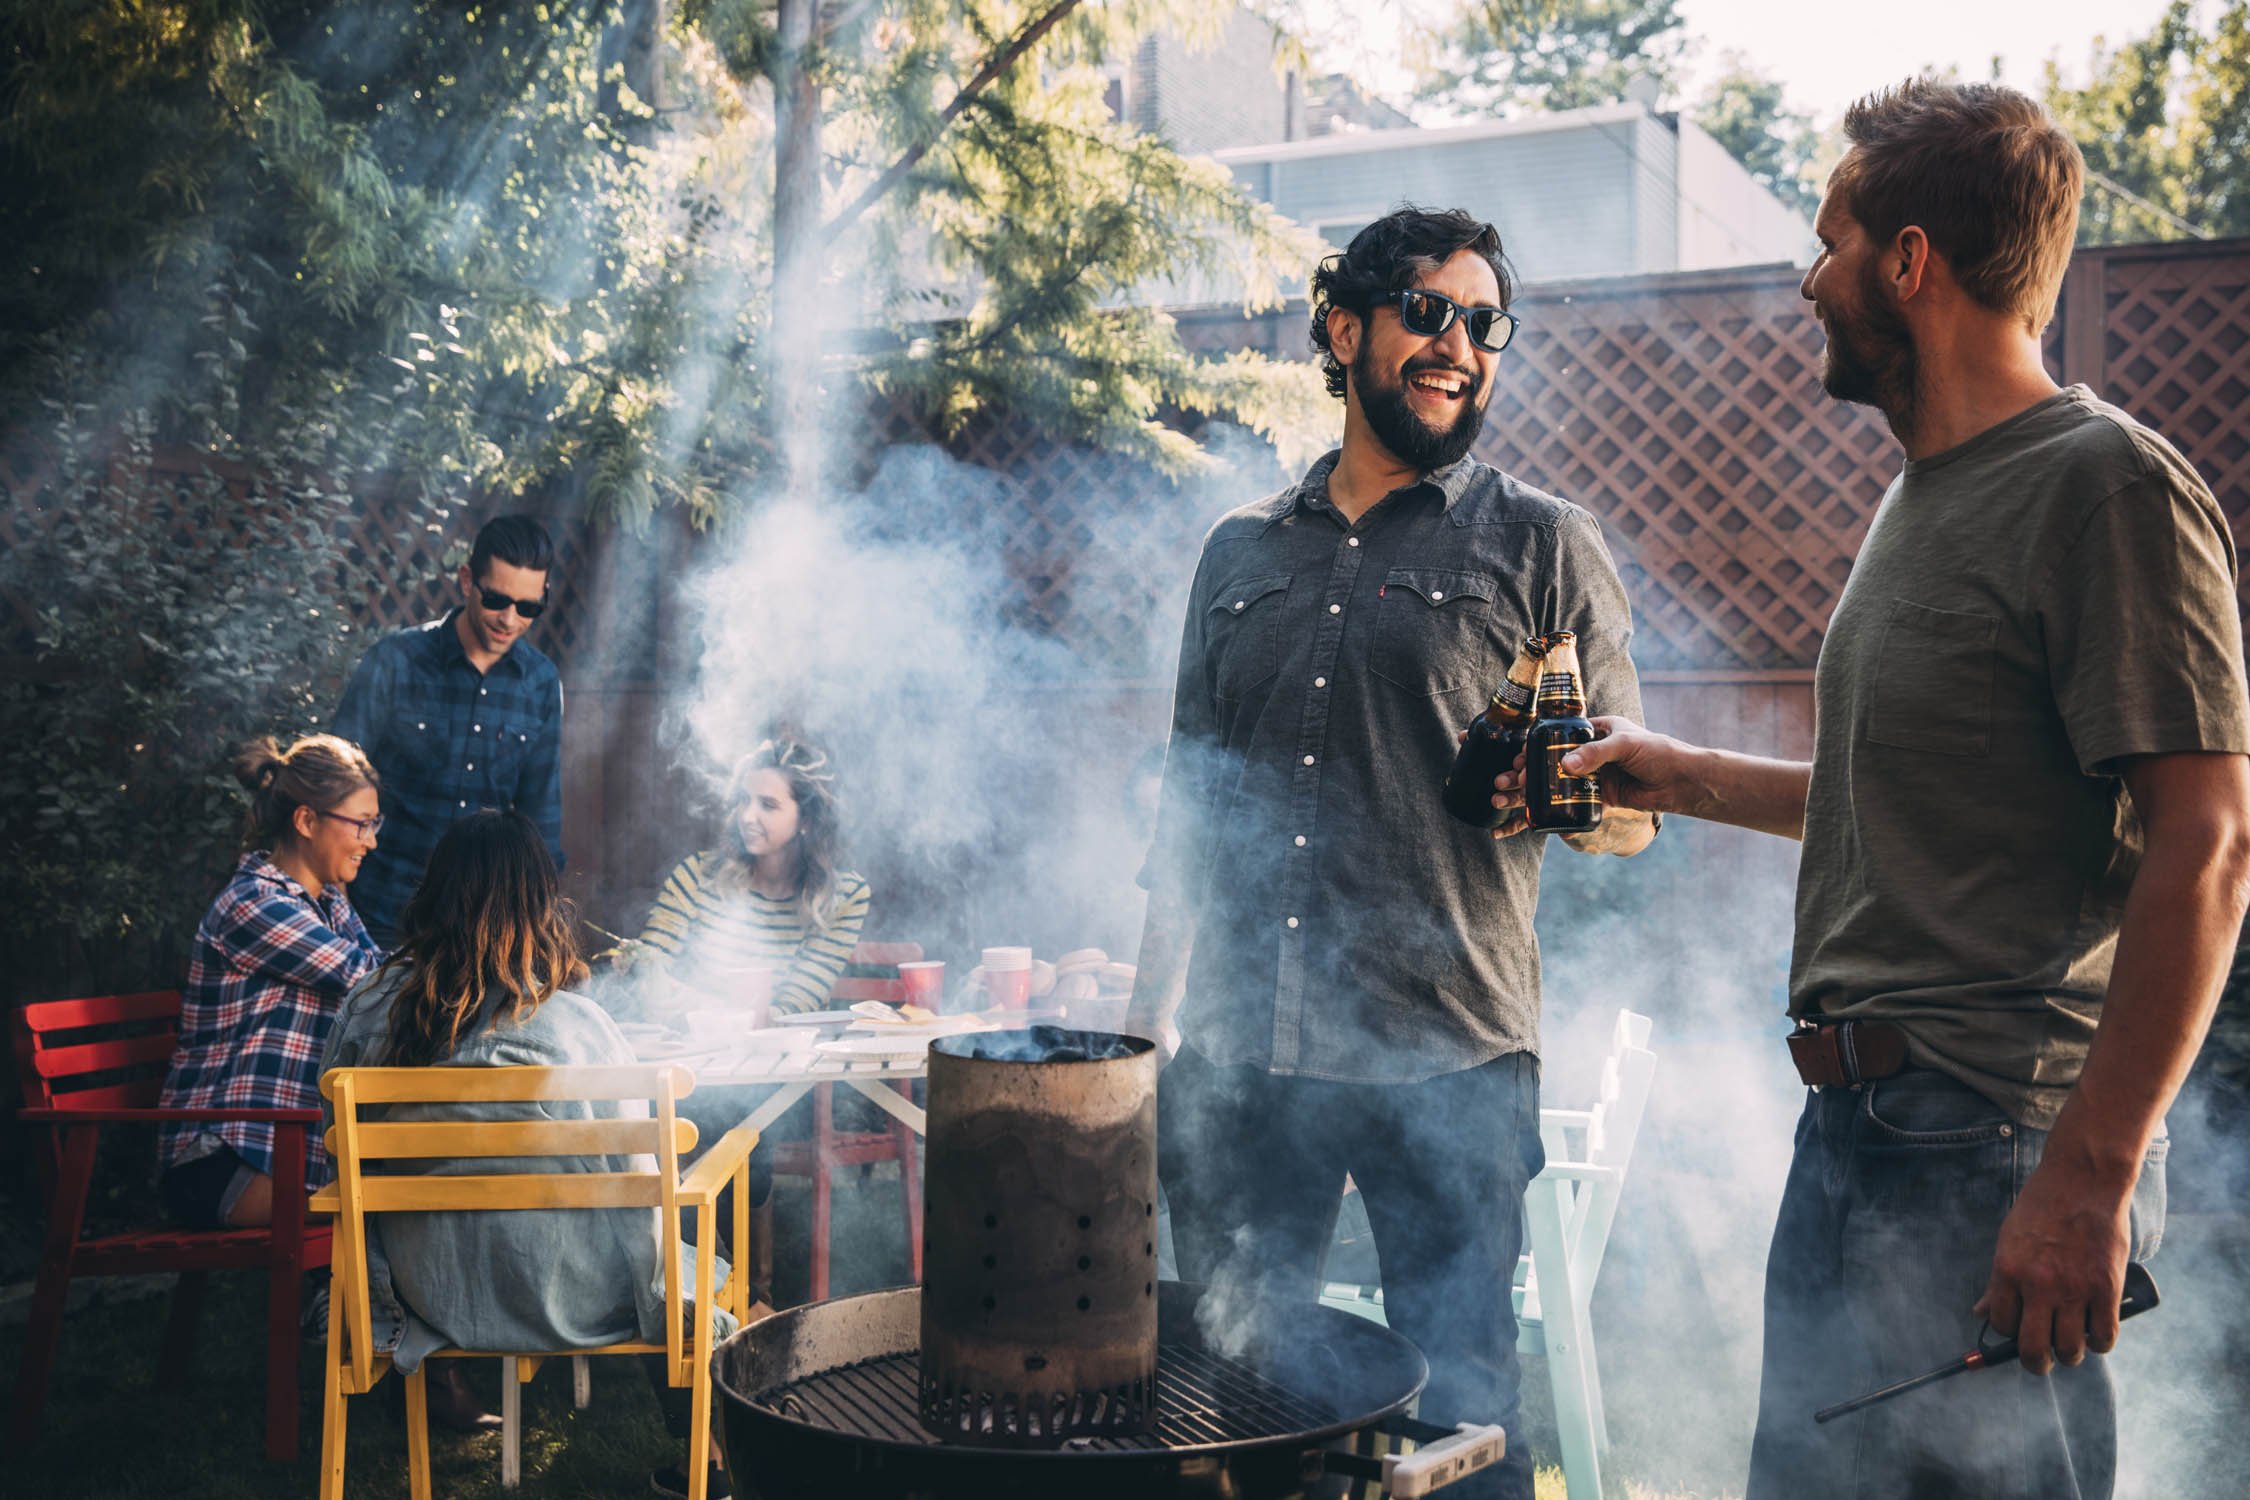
point(2026, 832)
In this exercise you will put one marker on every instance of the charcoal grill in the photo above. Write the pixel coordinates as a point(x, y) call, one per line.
point(824, 1401)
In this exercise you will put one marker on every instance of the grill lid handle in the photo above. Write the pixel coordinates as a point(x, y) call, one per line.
point(1435, 1465)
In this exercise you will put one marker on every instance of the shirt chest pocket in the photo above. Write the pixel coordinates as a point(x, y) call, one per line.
point(1933, 681)
point(1433, 630)
point(500, 749)
point(1244, 628)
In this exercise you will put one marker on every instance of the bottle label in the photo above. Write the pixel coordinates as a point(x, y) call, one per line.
point(1513, 695)
point(1570, 791)
point(1557, 689)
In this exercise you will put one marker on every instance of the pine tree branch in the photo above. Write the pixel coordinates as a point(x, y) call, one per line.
point(994, 67)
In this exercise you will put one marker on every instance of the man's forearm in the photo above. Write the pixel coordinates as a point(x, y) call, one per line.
point(1623, 831)
point(1748, 791)
point(1160, 967)
point(2181, 924)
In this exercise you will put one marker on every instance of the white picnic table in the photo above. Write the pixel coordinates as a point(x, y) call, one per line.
point(792, 1073)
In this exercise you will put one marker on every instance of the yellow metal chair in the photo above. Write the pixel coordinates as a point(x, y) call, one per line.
point(356, 1144)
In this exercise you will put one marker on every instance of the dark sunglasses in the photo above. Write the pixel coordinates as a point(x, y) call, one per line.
point(496, 601)
point(1428, 314)
point(367, 828)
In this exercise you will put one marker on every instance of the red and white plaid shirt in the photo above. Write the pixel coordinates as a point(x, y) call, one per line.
point(271, 966)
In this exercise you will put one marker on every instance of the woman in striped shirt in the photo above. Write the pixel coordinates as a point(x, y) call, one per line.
point(772, 893)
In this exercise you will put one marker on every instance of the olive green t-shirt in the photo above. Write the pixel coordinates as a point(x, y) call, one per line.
point(2030, 609)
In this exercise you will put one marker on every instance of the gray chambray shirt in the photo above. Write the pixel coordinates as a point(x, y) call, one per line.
point(1343, 926)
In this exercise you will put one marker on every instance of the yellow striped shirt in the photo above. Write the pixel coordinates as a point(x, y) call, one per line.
point(708, 917)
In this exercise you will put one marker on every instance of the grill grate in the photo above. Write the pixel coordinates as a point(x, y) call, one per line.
point(1201, 1398)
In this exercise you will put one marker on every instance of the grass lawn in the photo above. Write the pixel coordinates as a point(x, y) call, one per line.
point(110, 1432)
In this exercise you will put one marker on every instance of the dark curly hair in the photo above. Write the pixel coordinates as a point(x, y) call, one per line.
point(1389, 255)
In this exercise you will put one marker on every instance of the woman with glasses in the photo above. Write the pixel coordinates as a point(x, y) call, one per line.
point(478, 981)
point(273, 959)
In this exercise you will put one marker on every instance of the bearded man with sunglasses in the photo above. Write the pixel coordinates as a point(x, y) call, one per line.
point(458, 714)
point(1352, 971)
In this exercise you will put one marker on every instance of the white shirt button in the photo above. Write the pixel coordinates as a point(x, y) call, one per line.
point(422, 726)
point(1308, 760)
point(1292, 921)
point(472, 765)
point(1320, 682)
point(1239, 603)
point(1335, 609)
point(482, 691)
point(1436, 595)
point(1351, 541)
point(1300, 841)
point(476, 729)
point(464, 804)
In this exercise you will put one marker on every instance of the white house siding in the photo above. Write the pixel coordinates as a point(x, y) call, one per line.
point(1567, 191)
point(1727, 217)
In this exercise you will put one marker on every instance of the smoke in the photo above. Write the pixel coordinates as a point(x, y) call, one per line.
point(985, 751)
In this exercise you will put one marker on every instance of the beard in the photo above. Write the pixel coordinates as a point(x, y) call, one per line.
point(1870, 358)
point(1404, 435)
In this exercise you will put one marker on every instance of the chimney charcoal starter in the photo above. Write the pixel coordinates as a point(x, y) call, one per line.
point(1039, 1303)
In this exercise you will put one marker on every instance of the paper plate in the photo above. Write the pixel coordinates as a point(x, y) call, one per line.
point(667, 1049)
point(871, 1048)
point(814, 1018)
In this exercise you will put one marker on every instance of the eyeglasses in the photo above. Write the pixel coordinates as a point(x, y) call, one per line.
point(366, 828)
point(496, 601)
point(1428, 314)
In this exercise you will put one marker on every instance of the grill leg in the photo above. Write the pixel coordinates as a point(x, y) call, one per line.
point(823, 1187)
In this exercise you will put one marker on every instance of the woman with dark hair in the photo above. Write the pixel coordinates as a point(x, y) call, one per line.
point(773, 892)
point(273, 957)
point(486, 948)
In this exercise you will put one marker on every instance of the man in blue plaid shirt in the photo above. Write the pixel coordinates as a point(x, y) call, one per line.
point(458, 714)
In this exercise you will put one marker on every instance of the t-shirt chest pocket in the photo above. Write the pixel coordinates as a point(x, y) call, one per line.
point(1244, 626)
point(1433, 630)
point(1933, 681)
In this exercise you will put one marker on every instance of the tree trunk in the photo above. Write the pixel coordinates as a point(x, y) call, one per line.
point(793, 402)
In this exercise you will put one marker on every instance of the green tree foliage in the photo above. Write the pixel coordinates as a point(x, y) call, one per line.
point(1746, 112)
point(158, 613)
point(1501, 57)
point(557, 221)
point(2164, 122)
point(429, 251)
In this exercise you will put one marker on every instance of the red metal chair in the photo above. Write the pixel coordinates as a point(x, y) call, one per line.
point(89, 1063)
point(829, 1148)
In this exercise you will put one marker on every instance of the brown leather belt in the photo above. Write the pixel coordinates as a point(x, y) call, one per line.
point(1846, 1053)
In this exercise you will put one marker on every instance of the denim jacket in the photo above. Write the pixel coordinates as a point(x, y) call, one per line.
point(533, 1279)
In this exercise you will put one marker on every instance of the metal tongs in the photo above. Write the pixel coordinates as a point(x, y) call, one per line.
point(2140, 1296)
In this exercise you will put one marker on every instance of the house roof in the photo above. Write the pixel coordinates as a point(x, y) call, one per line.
point(1362, 142)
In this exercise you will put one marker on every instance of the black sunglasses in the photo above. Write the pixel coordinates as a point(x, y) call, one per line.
point(1428, 314)
point(496, 601)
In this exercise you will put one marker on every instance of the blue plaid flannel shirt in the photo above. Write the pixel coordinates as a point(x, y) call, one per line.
point(270, 968)
point(447, 739)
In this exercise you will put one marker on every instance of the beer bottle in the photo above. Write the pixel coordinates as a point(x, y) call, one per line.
point(1495, 740)
point(1552, 801)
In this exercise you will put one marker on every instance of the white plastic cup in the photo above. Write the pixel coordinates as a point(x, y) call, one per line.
point(1007, 977)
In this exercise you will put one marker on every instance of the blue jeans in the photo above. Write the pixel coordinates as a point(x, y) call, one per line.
point(1884, 1243)
point(1253, 1167)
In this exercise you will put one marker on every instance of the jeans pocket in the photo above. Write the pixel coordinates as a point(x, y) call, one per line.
point(2150, 1200)
point(1929, 1110)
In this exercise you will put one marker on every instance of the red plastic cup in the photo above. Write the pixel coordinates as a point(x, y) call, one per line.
point(923, 980)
